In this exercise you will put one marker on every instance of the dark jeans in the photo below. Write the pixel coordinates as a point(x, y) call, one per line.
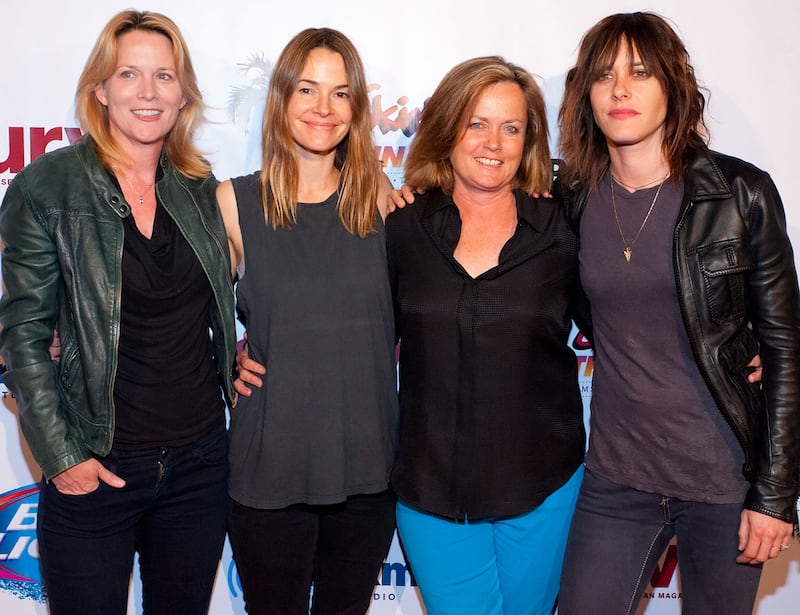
point(172, 511)
point(618, 535)
point(339, 548)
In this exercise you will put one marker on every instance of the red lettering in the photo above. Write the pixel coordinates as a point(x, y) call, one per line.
point(16, 150)
point(40, 140)
point(662, 577)
point(73, 134)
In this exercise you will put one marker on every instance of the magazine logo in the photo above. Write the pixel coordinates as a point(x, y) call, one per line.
point(19, 549)
point(662, 577)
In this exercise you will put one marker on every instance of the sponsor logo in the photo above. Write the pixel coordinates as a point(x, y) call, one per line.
point(27, 144)
point(392, 581)
point(19, 549)
point(393, 575)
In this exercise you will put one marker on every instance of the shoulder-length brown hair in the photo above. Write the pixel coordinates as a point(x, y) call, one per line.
point(447, 112)
point(93, 115)
point(582, 144)
point(355, 157)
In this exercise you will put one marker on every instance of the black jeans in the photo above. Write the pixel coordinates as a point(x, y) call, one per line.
point(172, 511)
point(618, 535)
point(339, 548)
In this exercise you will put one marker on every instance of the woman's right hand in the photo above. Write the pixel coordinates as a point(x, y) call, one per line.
point(248, 370)
point(85, 477)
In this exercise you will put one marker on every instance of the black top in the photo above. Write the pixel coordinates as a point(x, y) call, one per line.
point(166, 391)
point(317, 306)
point(491, 413)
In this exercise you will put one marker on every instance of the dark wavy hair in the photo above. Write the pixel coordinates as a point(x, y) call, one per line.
point(582, 145)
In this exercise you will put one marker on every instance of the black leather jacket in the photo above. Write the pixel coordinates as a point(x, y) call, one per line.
point(738, 294)
point(61, 222)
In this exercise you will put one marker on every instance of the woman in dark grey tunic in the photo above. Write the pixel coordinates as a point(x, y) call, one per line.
point(312, 449)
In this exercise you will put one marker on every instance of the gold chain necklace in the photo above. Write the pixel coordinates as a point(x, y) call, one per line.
point(139, 195)
point(629, 245)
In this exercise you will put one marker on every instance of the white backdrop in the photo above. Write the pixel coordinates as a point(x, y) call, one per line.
point(748, 57)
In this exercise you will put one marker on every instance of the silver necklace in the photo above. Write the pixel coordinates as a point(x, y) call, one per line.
point(628, 251)
point(139, 195)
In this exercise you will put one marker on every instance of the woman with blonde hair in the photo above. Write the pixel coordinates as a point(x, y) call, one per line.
point(117, 242)
point(311, 450)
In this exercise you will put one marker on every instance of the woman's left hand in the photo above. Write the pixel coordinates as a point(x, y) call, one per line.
point(762, 537)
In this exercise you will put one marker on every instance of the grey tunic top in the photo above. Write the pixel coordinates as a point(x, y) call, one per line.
point(317, 306)
point(654, 424)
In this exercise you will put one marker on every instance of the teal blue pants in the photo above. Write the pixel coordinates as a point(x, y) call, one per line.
point(508, 566)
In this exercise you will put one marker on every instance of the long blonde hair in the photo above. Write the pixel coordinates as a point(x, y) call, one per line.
point(93, 115)
point(355, 156)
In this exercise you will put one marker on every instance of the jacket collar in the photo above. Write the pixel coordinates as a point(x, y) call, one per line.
point(704, 179)
point(100, 177)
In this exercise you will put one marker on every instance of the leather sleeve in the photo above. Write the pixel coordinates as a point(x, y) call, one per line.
point(28, 316)
point(775, 316)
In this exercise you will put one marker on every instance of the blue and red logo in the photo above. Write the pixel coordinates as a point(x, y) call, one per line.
point(19, 549)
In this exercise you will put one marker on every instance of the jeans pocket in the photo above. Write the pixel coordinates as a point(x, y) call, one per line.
point(212, 450)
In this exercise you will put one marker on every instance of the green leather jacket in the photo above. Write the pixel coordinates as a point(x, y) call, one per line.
point(61, 226)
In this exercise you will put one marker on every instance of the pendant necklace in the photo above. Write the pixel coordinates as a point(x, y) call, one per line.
point(139, 195)
point(628, 251)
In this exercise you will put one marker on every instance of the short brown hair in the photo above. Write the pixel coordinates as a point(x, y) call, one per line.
point(355, 155)
point(93, 115)
point(582, 144)
point(444, 121)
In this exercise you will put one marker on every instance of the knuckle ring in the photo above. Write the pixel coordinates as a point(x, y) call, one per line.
point(784, 547)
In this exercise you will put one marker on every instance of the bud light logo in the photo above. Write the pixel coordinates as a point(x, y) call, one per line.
point(19, 549)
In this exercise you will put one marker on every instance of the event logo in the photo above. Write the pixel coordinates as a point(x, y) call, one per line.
point(38, 138)
point(19, 549)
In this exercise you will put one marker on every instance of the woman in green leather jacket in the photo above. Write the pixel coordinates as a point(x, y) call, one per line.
point(117, 243)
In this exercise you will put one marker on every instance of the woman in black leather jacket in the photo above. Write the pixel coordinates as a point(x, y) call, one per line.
point(685, 259)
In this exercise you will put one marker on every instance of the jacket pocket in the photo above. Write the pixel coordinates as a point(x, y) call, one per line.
point(724, 266)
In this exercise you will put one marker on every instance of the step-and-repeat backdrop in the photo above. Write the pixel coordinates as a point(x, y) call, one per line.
point(747, 54)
